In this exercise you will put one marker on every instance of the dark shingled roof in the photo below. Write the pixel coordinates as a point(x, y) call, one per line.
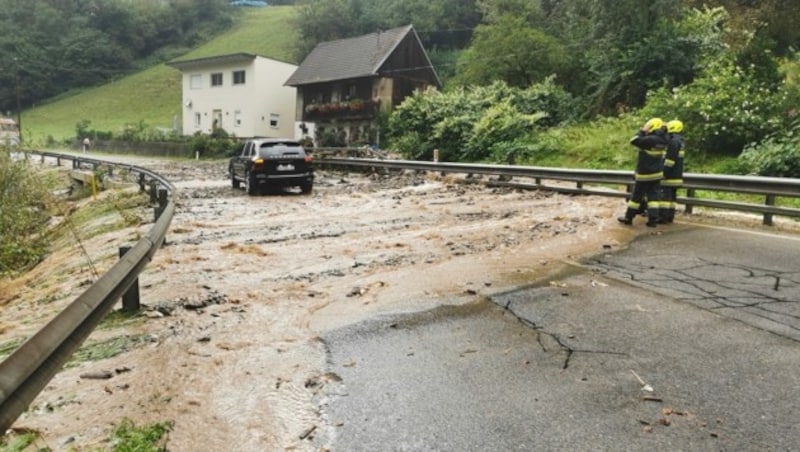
point(349, 58)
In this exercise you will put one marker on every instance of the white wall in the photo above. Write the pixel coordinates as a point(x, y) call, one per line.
point(261, 99)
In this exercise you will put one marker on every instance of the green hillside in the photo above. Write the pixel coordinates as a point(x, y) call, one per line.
point(153, 96)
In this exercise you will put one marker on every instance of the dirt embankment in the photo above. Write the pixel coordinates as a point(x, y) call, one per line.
point(235, 301)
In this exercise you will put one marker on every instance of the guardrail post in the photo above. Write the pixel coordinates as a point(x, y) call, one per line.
point(141, 182)
point(58, 161)
point(162, 203)
point(130, 299)
point(153, 192)
point(690, 192)
point(768, 216)
point(162, 198)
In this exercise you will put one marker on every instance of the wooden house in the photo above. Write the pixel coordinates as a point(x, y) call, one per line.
point(343, 85)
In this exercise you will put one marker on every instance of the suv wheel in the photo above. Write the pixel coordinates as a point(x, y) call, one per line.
point(249, 186)
point(306, 188)
point(234, 180)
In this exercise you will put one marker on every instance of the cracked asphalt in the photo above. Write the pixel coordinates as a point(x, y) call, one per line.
point(688, 339)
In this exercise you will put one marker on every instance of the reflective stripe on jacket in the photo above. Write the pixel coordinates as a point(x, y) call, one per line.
point(650, 162)
point(673, 161)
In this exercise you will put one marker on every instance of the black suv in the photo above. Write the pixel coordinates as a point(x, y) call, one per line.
point(272, 162)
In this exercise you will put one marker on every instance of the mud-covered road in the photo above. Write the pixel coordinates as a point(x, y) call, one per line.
point(237, 299)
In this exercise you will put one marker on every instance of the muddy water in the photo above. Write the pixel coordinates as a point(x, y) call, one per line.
point(246, 370)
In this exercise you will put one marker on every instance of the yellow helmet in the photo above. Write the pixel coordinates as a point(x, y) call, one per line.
point(653, 124)
point(674, 126)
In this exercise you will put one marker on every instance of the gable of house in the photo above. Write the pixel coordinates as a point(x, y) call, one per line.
point(382, 53)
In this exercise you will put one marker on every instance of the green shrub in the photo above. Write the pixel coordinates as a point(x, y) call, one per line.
point(82, 130)
point(777, 156)
point(332, 138)
point(724, 109)
point(127, 437)
point(23, 215)
point(218, 144)
point(477, 123)
point(500, 130)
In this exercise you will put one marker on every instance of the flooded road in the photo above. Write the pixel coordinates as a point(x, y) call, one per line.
point(239, 297)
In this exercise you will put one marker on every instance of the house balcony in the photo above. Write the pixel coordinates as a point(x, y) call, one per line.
point(356, 110)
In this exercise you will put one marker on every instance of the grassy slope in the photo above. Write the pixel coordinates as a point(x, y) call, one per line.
point(153, 96)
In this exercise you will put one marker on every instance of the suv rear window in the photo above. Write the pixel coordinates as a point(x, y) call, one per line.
point(281, 149)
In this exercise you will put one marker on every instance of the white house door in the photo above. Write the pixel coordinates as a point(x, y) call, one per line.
point(216, 120)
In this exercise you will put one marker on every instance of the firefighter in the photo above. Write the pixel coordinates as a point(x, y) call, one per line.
point(651, 141)
point(673, 171)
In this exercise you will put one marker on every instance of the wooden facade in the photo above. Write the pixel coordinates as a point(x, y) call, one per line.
point(343, 86)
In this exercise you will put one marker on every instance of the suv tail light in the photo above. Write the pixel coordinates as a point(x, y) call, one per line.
point(258, 162)
point(308, 159)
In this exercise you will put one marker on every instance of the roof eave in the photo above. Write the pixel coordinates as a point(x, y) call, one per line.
point(213, 60)
point(326, 80)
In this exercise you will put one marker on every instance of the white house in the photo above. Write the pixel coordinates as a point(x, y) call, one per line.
point(242, 93)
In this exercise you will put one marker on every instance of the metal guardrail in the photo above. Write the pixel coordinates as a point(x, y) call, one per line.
point(27, 371)
point(769, 187)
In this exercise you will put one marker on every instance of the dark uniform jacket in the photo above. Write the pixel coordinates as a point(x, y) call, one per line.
point(673, 161)
point(650, 163)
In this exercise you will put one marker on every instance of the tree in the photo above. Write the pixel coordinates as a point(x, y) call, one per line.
point(623, 49)
point(52, 46)
point(327, 20)
point(512, 51)
point(724, 109)
point(773, 20)
point(529, 10)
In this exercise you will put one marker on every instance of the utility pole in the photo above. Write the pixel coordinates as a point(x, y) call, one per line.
point(19, 104)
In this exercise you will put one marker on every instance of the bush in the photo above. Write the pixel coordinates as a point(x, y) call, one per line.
point(500, 126)
point(217, 145)
point(476, 123)
point(133, 133)
point(23, 216)
point(777, 156)
point(128, 437)
point(724, 109)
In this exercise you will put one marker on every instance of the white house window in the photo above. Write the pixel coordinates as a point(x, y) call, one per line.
point(216, 79)
point(238, 77)
point(273, 120)
point(237, 118)
point(195, 81)
point(197, 120)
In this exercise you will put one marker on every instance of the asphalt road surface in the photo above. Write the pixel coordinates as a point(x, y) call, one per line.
point(686, 340)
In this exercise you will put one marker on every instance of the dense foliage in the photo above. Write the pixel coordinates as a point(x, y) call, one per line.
point(50, 47)
point(778, 155)
point(478, 123)
point(440, 23)
point(613, 58)
point(23, 215)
